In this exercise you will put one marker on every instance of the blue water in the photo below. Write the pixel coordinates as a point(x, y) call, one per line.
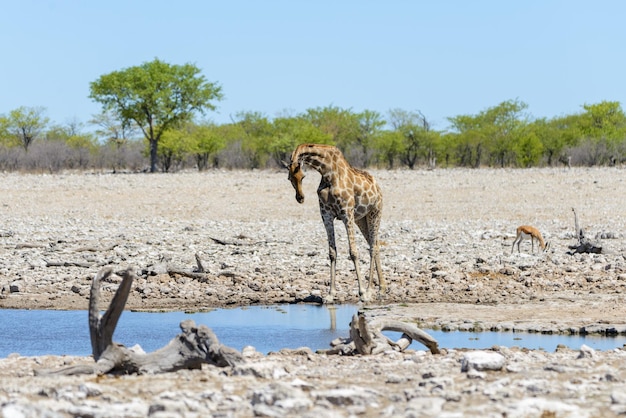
point(267, 328)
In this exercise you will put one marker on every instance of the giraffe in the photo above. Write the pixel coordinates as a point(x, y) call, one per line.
point(348, 194)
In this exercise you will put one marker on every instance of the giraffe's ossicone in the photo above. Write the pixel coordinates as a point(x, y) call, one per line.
point(350, 195)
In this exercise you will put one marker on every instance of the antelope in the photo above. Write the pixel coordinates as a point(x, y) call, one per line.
point(527, 231)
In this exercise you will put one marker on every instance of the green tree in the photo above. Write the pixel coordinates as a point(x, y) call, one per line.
point(257, 130)
point(568, 128)
point(64, 132)
point(447, 143)
point(176, 145)
point(207, 141)
point(27, 124)
point(232, 155)
point(370, 125)
point(603, 120)
point(114, 129)
point(388, 146)
point(492, 133)
point(414, 129)
point(157, 96)
point(528, 149)
point(289, 132)
point(603, 125)
point(342, 125)
point(504, 125)
point(550, 134)
point(469, 140)
point(6, 139)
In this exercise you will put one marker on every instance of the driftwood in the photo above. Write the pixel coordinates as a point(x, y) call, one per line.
point(188, 350)
point(367, 338)
point(584, 245)
point(199, 273)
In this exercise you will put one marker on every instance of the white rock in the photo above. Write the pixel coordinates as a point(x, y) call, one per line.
point(428, 406)
point(586, 352)
point(482, 360)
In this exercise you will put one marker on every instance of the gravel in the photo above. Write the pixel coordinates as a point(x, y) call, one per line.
point(446, 241)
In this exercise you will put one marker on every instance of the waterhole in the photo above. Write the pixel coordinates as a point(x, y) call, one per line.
point(267, 328)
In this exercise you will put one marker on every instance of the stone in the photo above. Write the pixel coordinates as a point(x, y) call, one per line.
point(482, 360)
point(586, 352)
point(347, 396)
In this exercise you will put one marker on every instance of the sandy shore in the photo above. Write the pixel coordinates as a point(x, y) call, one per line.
point(446, 251)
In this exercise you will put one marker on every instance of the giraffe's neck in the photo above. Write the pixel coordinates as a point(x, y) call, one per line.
point(316, 161)
point(322, 159)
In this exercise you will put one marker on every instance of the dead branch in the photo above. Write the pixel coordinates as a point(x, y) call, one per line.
point(200, 267)
point(29, 245)
point(188, 350)
point(67, 264)
point(367, 338)
point(222, 242)
point(94, 249)
point(201, 277)
point(584, 245)
point(241, 243)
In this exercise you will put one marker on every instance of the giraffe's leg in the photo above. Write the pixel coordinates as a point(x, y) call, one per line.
point(363, 225)
point(379, 270)
point(354, 256)
point(369, 226)
point(332, 254)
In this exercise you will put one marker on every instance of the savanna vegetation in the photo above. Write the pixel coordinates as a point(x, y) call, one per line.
point(154, 118)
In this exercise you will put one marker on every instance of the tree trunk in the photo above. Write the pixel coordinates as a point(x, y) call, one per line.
point(153, 155)
point(188, 350)
point(367, 338)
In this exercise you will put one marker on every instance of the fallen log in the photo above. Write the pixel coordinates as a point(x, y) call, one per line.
point(189, 350)
point(367, 338)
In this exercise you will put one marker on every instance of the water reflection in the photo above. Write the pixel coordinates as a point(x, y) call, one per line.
point(267, 328)
point(533, 341)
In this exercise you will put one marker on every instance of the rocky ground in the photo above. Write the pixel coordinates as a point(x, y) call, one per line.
point(446, 252)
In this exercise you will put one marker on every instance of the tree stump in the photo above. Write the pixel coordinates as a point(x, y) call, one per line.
point(367, 338)
point(189, 350)
point(584, 245)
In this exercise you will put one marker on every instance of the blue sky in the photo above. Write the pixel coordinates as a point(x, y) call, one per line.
point(443, 58)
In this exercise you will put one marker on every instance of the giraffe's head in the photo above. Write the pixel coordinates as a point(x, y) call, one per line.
point(295, 177)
